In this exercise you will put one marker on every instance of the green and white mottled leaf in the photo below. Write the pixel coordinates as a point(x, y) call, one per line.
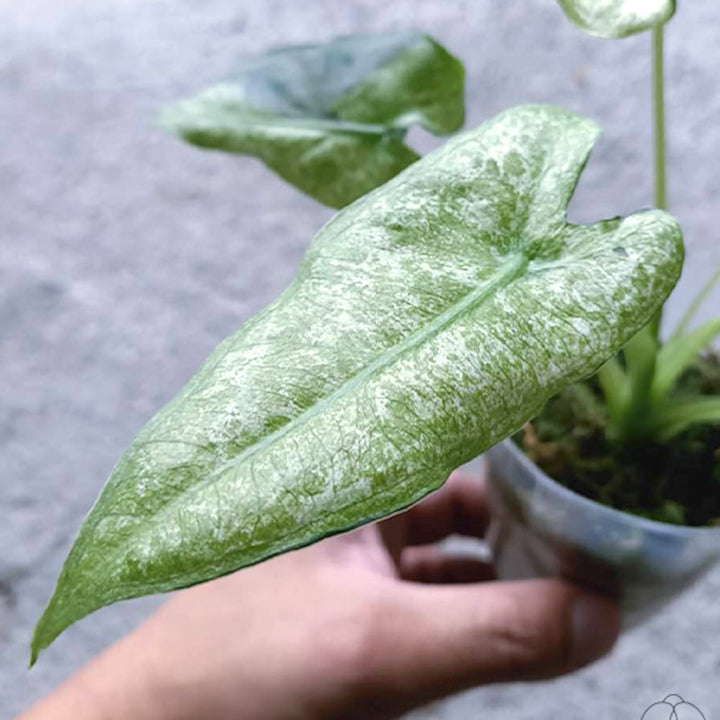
point(618, 18)
point(330, 119)
point(428, 321)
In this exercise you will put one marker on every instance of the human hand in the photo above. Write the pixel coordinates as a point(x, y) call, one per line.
point(365, 625)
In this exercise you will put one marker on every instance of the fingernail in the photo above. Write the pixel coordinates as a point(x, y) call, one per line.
point(595, 627)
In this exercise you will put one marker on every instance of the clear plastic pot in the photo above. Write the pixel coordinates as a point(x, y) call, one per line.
point(542, 529)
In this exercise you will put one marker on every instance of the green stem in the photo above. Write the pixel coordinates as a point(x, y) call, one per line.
point(658, 81)
point(641, 352)
point(658, 94)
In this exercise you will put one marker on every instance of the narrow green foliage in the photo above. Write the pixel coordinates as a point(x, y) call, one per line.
point(615, 388)
point(428, 321)
point(618, 18)
point(640, 358)
point(695, 305)
point(330, 119)
point(677, 355)
point(680, 414)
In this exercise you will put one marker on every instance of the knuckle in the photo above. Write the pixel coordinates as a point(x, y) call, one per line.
point(535, 636)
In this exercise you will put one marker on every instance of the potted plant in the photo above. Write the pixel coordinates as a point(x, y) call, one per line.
point(634, 507)
point(431, 318)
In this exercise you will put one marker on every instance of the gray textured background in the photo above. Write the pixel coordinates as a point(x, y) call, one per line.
point(126, 256)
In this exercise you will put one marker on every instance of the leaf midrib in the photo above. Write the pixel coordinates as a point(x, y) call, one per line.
point(318, 124)
point(507, 272)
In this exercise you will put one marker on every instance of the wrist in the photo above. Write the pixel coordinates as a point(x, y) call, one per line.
point(116, 686)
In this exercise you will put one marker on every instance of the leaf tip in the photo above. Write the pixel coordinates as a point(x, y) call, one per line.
point(68, 604)
point(43, 636)
point(167, 120)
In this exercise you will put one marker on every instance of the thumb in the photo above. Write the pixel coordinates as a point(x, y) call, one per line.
point(450, 638)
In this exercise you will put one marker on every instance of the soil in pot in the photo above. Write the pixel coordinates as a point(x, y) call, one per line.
point(677, 482)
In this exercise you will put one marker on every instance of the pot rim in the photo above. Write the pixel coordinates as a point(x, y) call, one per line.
point(653, 526)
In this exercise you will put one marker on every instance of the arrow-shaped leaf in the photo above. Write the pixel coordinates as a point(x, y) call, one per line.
point(618, 18)
point(330, 119)
point(428, 321)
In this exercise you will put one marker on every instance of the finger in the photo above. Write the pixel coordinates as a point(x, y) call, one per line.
point(447, 639)
point(431, 565)
point(459, 507)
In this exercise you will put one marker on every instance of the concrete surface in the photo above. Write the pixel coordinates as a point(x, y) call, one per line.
point(126, 256)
